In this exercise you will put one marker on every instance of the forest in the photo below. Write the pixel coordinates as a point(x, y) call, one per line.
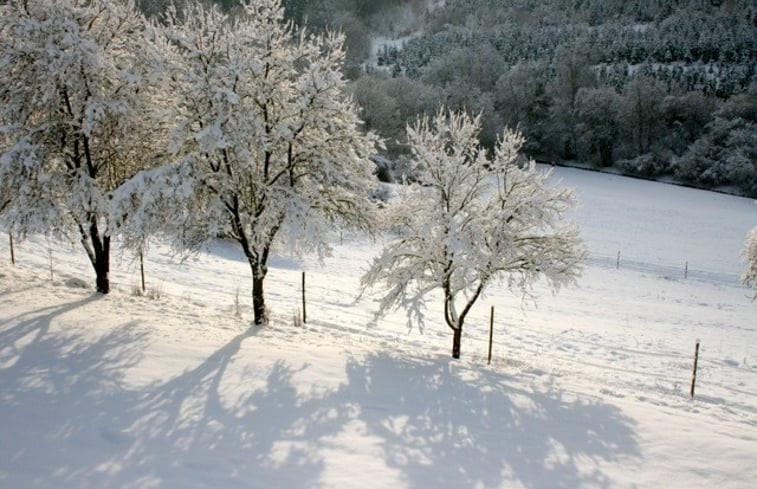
point(651, 88)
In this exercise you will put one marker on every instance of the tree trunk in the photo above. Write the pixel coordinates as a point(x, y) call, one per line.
point(605, 152)
point(102, 263)
point(98, 250)
point(259, 270)
point(457, 336)
point(258, 300)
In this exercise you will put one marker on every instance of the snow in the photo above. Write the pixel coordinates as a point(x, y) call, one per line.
point(588, 388)
point(379, 42)
point(402, 22)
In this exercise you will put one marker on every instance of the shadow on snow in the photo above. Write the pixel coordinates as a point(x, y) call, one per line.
point(431, 423)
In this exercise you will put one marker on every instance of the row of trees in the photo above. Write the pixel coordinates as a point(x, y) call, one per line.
point(209, 124)
point(204, 125)
point(643, 130)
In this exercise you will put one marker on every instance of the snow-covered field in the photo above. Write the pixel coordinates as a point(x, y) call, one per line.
point(588, 388)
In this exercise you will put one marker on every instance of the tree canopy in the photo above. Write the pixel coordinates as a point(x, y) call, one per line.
point(265, 145)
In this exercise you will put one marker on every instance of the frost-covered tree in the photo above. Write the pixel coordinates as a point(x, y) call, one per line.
point(597, 114)
point(266, 146)
point(75, 108)
point(522, 101)
point(571, 76)
point(389, 104)
point(641, 113)
point(750, 257)
point(471, 221)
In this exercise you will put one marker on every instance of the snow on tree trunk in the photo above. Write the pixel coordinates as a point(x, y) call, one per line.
point(471, 220)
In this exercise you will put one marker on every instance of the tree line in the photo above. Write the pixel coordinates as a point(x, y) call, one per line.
point(655, 89)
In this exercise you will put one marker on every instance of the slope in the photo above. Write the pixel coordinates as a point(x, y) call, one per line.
point(589, 389)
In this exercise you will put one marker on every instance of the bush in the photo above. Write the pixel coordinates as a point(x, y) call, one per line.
point(724, 155)
point(646, 165)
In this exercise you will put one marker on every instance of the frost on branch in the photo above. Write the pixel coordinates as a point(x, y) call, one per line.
point(472, 220)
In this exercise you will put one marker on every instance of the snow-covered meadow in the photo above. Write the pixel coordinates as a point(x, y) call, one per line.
point(588, 388)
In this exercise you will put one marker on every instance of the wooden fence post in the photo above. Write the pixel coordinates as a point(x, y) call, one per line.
point(617, 263)
point(694, 374)
point(686, 270)
point(142, 268)
point(13, 253)
point(304, 313)
point(491, 334)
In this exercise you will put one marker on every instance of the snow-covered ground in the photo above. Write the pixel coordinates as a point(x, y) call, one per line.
point(396, 26)
point(588, 388)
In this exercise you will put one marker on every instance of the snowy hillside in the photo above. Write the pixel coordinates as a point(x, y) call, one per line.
point(588, 389)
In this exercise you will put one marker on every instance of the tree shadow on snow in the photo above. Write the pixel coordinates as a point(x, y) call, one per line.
point(443, 430)
point(68, 420)
point(56, 387)
point(436, 425)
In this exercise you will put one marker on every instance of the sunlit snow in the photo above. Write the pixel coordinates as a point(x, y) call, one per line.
point(587, 389)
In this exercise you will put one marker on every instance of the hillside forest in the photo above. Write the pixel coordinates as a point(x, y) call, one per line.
point(659, 89)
